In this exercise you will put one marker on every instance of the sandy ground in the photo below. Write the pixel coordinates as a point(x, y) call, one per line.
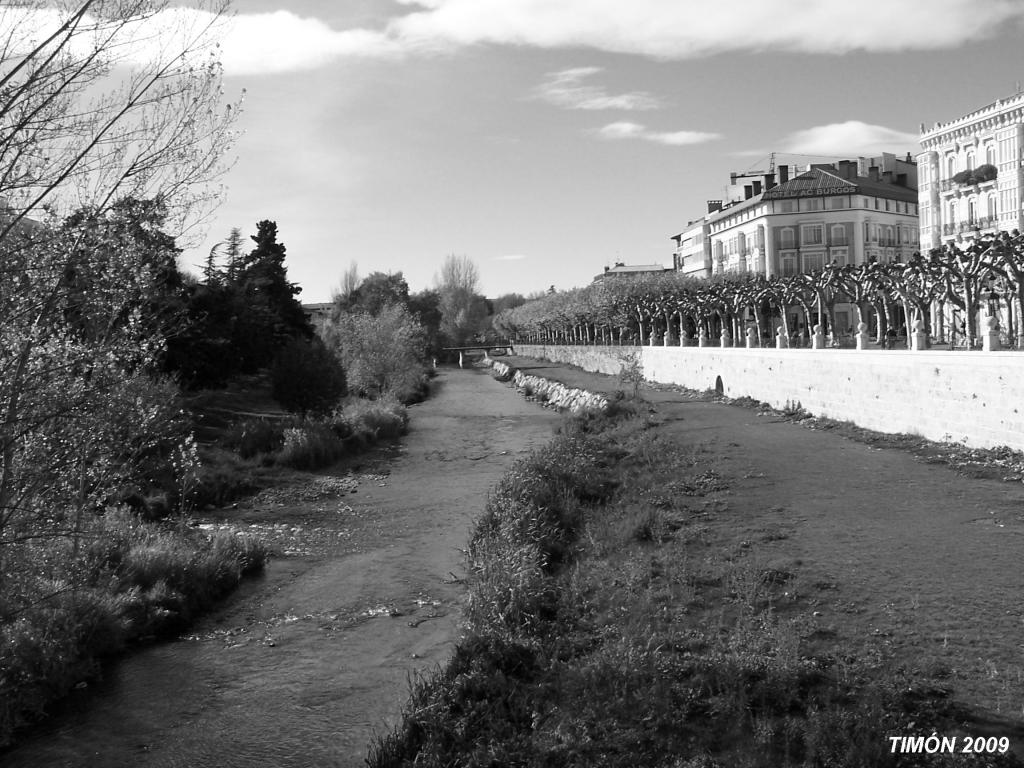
point(303, 666)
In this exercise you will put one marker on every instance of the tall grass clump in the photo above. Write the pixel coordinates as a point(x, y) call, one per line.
point(124, 581)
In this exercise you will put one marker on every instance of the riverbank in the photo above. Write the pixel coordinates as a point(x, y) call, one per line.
point(753, 592)
point(304, 665)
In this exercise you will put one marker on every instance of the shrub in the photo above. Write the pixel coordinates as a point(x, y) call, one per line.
point(251, 437)
point(383, 353)
point(310, 446)
point(306, 377)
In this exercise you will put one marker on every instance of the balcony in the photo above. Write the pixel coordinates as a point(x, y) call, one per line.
point(979, 223)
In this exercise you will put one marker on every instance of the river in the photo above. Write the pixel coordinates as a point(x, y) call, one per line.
point(304, 665)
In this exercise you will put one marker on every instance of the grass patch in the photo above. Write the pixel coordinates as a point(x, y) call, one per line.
point(609, 624)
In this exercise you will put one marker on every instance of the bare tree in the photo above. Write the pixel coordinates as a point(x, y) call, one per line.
point(106, 99)
point(347, 287)
point(462, 309)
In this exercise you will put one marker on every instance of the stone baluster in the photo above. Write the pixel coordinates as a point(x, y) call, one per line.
point(863, 337)
point(725, 338)
point(703, 340)
point(817, 338)
point(751, 338)
point(990, 336)
point(918, 338)
point(781, 338)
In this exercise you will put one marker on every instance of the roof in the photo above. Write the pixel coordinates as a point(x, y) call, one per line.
point(819, 182)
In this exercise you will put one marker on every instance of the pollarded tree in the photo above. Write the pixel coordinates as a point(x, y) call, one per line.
point(1006, 256)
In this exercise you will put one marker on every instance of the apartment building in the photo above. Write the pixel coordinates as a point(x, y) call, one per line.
point(971, 174)
point(844, 213)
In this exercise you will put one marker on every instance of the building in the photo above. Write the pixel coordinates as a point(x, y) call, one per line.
point(847, 213)
point(971, 174)
point(629, 270)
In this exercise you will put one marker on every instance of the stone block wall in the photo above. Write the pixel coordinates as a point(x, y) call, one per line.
point(972, 397)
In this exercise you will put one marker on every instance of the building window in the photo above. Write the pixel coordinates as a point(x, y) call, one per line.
point(812, 234)
point(990, 153)
point(787, 206)
point(788, 237)
point(950, 166)
point(839, 256)
point(970, 161)
point(814, 262)
point(972, 211)
point(811, 204)
point(838, 203)
point(838, 234)
point(952, 211)
point(993, 206)
point(788, 264)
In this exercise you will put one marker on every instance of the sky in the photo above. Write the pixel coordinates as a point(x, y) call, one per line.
point(547, 139)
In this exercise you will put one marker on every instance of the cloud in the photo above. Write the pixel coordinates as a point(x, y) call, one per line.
point(281, 41)
point(626, 130)
point(684, 29)
point(850, 139)
point(511, 257)
point(566, 89)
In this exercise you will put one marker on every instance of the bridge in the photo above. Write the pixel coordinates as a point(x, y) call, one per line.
point(485, 347)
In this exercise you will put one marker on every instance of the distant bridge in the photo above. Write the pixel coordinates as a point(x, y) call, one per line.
point(485, 347)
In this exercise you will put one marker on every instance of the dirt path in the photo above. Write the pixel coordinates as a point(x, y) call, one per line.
point(304, 665)
point(905, 561)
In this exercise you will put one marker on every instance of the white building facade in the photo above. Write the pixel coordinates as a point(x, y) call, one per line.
point(971, 174)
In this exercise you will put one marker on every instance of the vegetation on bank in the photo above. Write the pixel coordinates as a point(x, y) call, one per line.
point(613, 621)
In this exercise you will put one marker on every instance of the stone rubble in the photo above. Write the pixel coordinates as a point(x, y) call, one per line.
point(550, 393)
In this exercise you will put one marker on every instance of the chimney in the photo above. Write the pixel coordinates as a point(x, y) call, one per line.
point(714, 205)
point(847, 169)
point(748, 191)
point(757, 187)
point(769, 181)
point(873, 173)
point(887, 177)
point(783, 174)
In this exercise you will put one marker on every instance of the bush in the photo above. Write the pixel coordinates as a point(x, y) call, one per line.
point(383, 353)
point(251, 437)
point(310, 446)
point(307, 378)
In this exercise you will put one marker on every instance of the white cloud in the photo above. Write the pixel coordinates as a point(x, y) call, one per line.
point(511, 257)
point(280, 41)
point(626, 130)
point(566, 89)
point(682, 29)
point(850, 139)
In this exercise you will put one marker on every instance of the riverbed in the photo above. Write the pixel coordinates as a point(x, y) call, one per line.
point(304, 665)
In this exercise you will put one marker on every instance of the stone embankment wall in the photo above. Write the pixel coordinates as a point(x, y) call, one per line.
point(976, 398)
point(550, 392)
